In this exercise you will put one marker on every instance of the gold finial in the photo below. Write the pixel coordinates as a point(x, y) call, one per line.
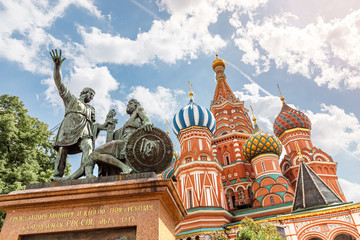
point(298, 152)
point(254, 119)
point(167, 127)
point(190, 93)
point(281, 97)
point(218, 62)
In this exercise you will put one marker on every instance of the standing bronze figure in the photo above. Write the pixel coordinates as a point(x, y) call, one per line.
point(75, 134)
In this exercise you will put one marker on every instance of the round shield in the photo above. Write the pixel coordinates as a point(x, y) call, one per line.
point(149, 151)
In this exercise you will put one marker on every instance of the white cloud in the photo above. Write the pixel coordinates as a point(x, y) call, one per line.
point(160, 104)
point(183, 36)
point(351, 190)
point(171, 40)
point(335, 130)
point(191, 7)
point(323, 51)
point(23, 36)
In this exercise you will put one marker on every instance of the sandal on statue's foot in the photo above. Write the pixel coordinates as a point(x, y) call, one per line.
point(128, 171)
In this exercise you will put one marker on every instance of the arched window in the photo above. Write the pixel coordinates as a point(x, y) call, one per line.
point(241, 193)
point(344, 236)
point(263, 166)
point(227, 160)
point(190, 200)
point(230, 198)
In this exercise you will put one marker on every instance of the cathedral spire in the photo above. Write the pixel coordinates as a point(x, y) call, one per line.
point(222, 91)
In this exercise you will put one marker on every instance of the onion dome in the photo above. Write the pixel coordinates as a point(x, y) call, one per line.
point(260, 143)
point(218, 62)
point(169, 172)
point(290, 118)
point(193, 115)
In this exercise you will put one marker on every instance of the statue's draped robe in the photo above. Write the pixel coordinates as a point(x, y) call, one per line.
point(77, 123)
point(116, 148)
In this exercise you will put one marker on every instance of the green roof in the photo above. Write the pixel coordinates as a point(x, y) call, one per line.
point(204, 208)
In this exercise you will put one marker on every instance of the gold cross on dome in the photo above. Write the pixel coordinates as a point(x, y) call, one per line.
point(281, 97)
point(190, 93)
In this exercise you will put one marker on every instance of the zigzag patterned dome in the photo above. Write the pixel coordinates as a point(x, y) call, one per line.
point(260, 143)
point(193, 115)
point(290, 118)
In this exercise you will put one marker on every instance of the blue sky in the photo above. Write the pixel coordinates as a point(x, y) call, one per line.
point(150, 49)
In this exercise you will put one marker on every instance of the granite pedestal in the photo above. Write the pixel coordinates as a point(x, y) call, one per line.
point(108, 208)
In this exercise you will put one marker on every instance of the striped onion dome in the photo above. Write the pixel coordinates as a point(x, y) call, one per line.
point(290, 118)
point(193, 115)
point(260, 143)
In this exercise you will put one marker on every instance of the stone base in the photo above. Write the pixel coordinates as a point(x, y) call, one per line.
point(137, 209)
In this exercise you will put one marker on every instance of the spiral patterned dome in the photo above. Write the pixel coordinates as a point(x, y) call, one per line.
point(193, 115)
point(260, 143)
point(290, 118)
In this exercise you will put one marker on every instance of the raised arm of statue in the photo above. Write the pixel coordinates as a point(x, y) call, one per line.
point(57, 72)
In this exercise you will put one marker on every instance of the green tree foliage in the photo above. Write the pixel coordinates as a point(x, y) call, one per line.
point(250, 230)
point(26, 152)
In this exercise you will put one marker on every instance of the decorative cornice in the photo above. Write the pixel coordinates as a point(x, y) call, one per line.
point(192, 164)
point(230, 136)
point(314, 213)
point(293, 130)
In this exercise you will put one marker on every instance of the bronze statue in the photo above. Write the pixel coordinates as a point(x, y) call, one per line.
point(114, 151)
point(136, 147)
point(75, 134)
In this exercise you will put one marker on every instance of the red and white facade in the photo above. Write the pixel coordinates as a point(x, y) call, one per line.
point(219, 186)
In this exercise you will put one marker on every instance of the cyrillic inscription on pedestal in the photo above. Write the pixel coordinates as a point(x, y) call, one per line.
point(81, 218)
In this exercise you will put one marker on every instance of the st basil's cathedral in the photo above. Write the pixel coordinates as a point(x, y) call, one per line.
point(228, 169)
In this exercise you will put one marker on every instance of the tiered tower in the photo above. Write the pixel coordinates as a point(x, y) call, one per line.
point(270, 187)
point(233, 128)
point(197, 172)
point(293, 127)
point(230, 170)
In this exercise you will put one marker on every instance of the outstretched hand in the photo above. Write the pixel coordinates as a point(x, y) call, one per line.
point(56, 58)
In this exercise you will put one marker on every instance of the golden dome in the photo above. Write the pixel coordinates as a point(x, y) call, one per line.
point(218, 62)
